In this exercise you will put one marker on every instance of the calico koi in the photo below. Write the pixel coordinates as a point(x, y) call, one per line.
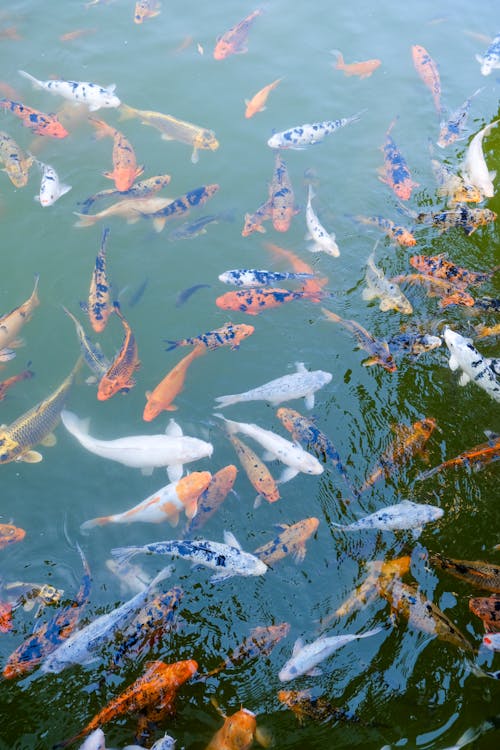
point(146, 9)
point(16, 163)
point(474, 167)
point(452, 129)
point(260, 642)
point(92, 352)
point(487, 608)
point(254, 301)
point(38, 122)
point(395, 232)
point(491, 58)
point(379, 286)
point(254, 222)
point(212, 498)
point(441, 268)
point(131, 209)
point(318, 708)
point(450, 293)
point(118, 379)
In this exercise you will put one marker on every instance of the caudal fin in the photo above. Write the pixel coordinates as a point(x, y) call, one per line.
point(340, 58)
point(85, 220)
point(123, 555)
point(223, 401)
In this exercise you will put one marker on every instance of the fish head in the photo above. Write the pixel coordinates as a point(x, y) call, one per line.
point(239, 730)
point(9, 534)
point(403, 189)
point(190, 487)
point(404, 237)
point(109, 99)
point(274, 141)
point(151, 410)
point(9, 448)
point(242, 331)
point(182, 671)
point(287, 417)
point(466, 194)
point(5, 617)
point(222, 49)
point(107, 388)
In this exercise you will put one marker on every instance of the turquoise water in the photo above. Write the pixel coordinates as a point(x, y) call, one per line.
point(418, 691)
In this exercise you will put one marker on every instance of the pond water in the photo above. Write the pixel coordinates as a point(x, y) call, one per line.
point(409, 688)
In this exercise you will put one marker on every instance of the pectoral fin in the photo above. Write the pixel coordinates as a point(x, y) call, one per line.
point(49, 440)
point(175, 472)
point(288, 473)
point(31, 457)
point(309, 401)
point(453, 363)
point(463, 379)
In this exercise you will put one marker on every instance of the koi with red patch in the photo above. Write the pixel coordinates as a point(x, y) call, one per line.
point(125, 168)
point(475, 458)
point(260, 642)
point(118, 378)
point(156, 690)
point(281, 196)
point(233, 41)
point(162, 397)
point(438, 266)
point(10, 534)
point(254, 301)
point(99, 308)
point(257, 472)
point(395, 172)
point(399, 234)
point(210, 501)
point(48, 636)
point(229, 334)
point(254, 222)
point(9, 382)
point(428, 72)
point(38, 122)
point(291, 540)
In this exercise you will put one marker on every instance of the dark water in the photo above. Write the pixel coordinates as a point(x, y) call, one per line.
point(418, 691)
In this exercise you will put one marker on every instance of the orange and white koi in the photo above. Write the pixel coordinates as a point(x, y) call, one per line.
point(378, 349)
point(230, 334)
point(9, 382)
point(428, 72)
point(313, 288)
point(16, 163)
point(212, 498)
point(146, 9)
point(281, 196)
point(395, 232)
point(162, 397)
point(38, 122)
point(258, 102)
point(474, 458)
point(99, 308)
point(395, 172)
point(125, 168)
point(118, 378)
point(257, 472)
point(10, 534)
point(362, 69)
point(163, 505)
point(233, 41)
point(254, 222)
point(291, 540)
point(131, 209)
point(12, 322)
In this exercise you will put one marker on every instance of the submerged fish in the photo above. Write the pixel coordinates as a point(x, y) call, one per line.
point(474, 458)
point(310, 133)
point(301, 384)
point(362, 69)
point(234, 41)
point(256, 277)
point(258, 101)
point(118, 379)
point(9, 382)
point(488, 609)
point(482, 574)
point(318, 708)
point(198, 226)
point(10, 534)
point(369, 589)
point(427, 69)
point(400, 517)
point(210, 501)
point(281, 196)
point(16, 163)
point(378, 285)
point(230, 334)
point(491, 58)
point(395, 172)
point(146, 9)
point(377, 349)
point(474, 367)
point(290, 540)
point(80, 92)
point(38, 122)
point(91, 351)
point(142, 189)
point(131, 209)
point(260, 642)
point(452, 129)
point(320, 241)
point(12, 323)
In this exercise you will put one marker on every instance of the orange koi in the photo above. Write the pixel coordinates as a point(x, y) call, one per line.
point(161, 398)
point(369, 589)
point(488, 609)
point(146, 9)
point(9, 382)
point(260, 642)
point(281, 196)
point(428, 72)
point(99, 308)
point(237, 733)
point(254, 301)
point(10, 534)
point(38, 122)
point(257, 472)
point(125, 168)
point(395, 172)
point(474, 458)
point(9, 91)
point(233, 41)
point(438, 266)
point(210, 501)
point(258, 102)
point(291, 540)
point(253, 222)
point(119, 376)
point(155, 690)
point(70, 36)
point(361, 69)
point(229, 334)
point(312, 287)
point(409, 440)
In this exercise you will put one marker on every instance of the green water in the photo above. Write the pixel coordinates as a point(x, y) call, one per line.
point(419, 690)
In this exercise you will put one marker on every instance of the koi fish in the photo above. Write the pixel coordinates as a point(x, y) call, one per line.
point(118, 378)
point(422, 613)
point(9, 382)
point(163, 505)
point(185, 294)
point(395, 172)
point(257, 472)
point(257, 277)
point(474, 167)
point(320, 241)
point(409, 440)
point(292, 455)
point(488, 609)
point(258, 101)
point(99, 308)
point(291, 540)
point(227, 559)
point(484, 575)
point(237, 733)
point(378, 285)
point(156, 688)
point(82, 645)
point(162, 397)
point(475, 367)
point(253, 222)
point(38, 122)
point(398, 234)
point(181, 205)
point(453, 186)
point(260, 642)
point(254, 301)
point(18, 439)
point(26, 595)
point(483, 331)
point(142, 189)
point(441, 268)
point(400, 517)
point(305, 658)
point(12, 322)
point(413, 342)
point(144, 452)
point(47, 636)
point(312, 288)
point(92, 352)
point(491, 58)
point(305, 431)
point(146, 9)
point(369, 589)
point(80, 92)
point(306, 706)
point(192, 229)
point(131, 209)
point(10, 534)
point(362, 69)
point(299, 137)
point(428, 72)
point(234, 41)
point(450, 293)
point(230, 334)
point(132, 577)
point(281, 196)
point(212, 498)
point(125, 168)
point(452, 129)
point(51, 189)
point(172, 129)
point(460, 216)
point(301, 384)
point(377, 349)
point(16, 164)
point(6, 624)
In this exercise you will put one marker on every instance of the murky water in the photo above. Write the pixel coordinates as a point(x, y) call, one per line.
point(409, 689)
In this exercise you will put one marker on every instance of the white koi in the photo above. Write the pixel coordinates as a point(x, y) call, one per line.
point(402, 516)
point(474, 167)
point(491, 58)
point(308, 134)
point(80, 92)
point(475, 367)
point(51, 189)
point(320, 240)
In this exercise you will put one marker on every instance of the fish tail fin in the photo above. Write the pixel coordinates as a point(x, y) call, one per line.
point(223, 401)
point(101, 521)
point(102, 128)
point(74, 424)
point(36, 83)
point(340, 58)
point(230, 427)
point(85, 220)
point(331, 315)
point(368, 633)
point(123, 555)
point(173, 344)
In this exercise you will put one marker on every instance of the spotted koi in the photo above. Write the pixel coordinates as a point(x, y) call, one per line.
point(257, 472)
point(99, 307)
point(254, 222)
point(395, 172)
point(38, 122)
point(118, 378)
point(428, 71)
point(182, 205)
point(291, 540)
point(230, 334)
point(441, 268)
